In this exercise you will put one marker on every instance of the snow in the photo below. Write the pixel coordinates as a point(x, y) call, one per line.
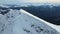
point(22, 22)
point(51, 25)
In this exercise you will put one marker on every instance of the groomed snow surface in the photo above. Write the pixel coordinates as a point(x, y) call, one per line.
point(22, 22)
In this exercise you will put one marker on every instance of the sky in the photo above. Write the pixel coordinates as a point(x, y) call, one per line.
point(29, 1)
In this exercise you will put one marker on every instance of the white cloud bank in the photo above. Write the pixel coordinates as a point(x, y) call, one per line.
point(30, 1)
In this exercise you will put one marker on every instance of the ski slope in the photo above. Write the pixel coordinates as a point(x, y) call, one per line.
point(22, 22)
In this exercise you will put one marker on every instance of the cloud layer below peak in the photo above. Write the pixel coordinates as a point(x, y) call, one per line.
point(29, 1)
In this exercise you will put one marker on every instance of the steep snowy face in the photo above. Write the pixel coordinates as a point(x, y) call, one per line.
point(21, 22)
point(6, 21)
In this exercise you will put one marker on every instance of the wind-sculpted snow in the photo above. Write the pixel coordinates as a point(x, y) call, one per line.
point(18, 22)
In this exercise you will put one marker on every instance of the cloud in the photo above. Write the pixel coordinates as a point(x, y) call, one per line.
point(28, 1)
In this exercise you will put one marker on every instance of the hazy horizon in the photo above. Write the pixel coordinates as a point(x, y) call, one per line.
point(29, 1)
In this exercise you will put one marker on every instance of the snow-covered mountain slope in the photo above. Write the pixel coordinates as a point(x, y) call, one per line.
point(21, 22)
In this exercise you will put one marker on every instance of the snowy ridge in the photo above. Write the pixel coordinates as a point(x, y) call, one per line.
point(51, 25)
point(21, 22)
